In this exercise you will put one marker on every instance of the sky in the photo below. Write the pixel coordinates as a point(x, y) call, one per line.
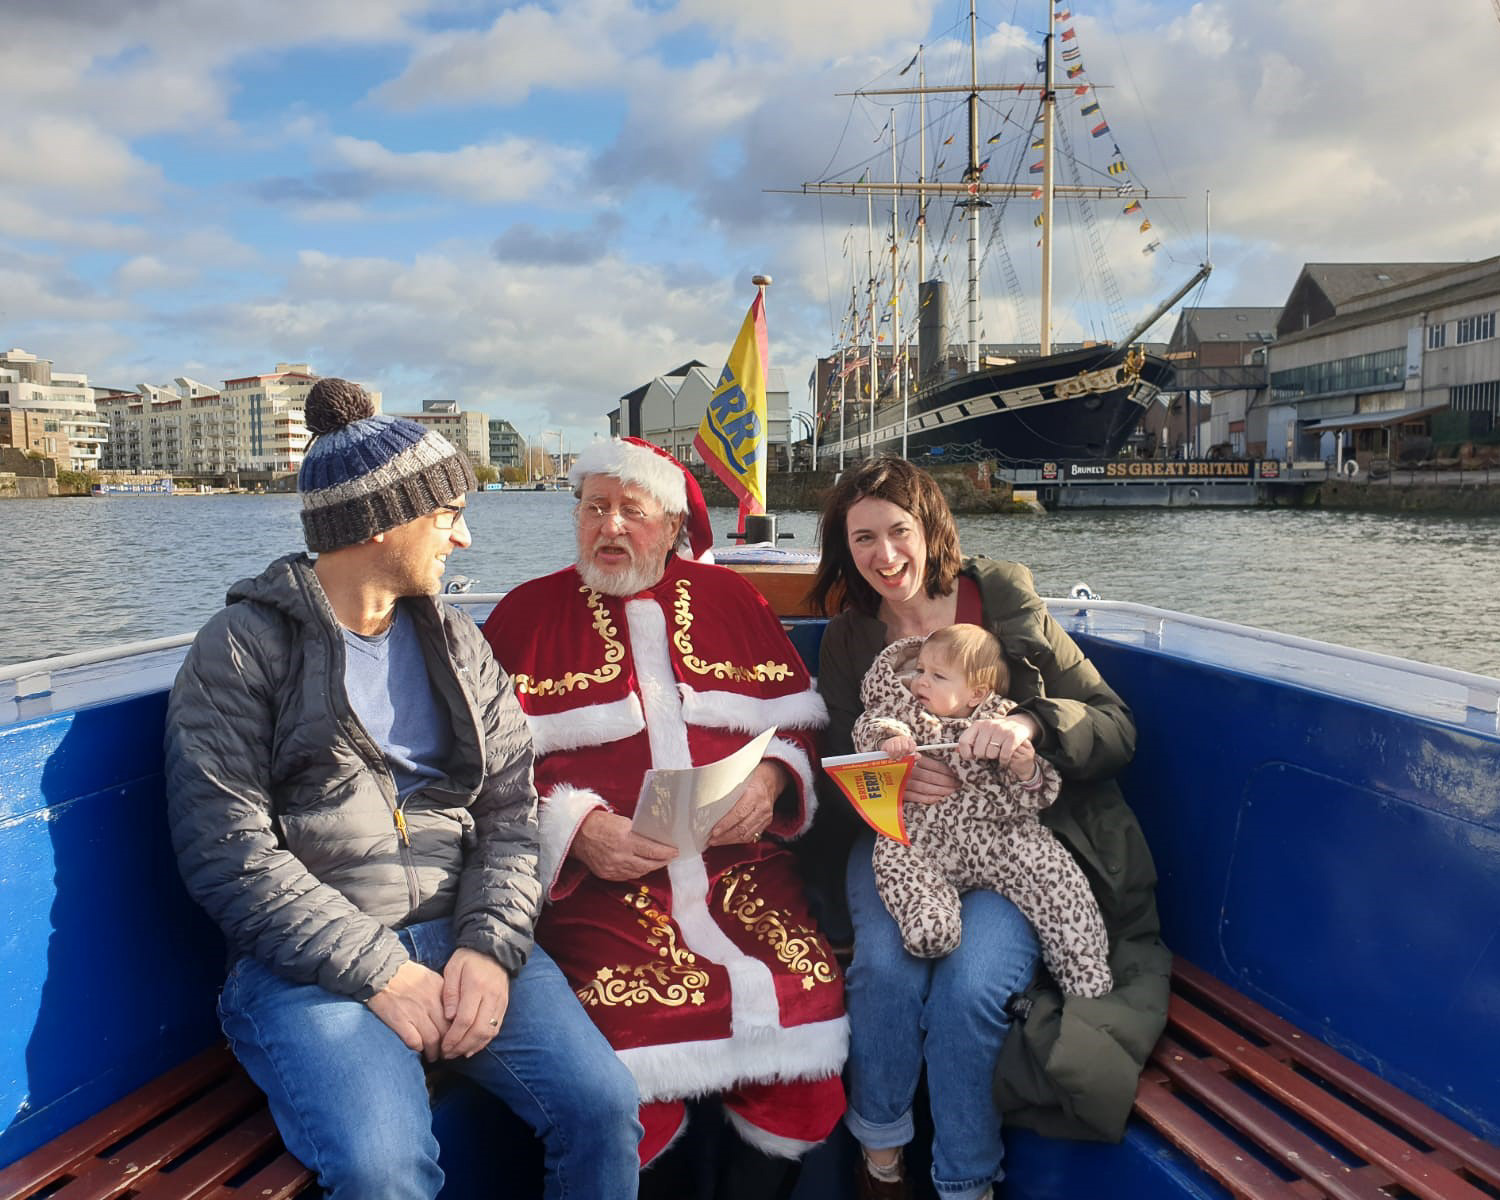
point(534, 208)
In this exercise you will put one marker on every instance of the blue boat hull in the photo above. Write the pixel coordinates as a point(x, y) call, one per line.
point(1326, 831)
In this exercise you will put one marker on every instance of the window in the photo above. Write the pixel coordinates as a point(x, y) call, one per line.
point(1437, 336)
point(1475, 397)
point(1362, 372)
point(1475, 329)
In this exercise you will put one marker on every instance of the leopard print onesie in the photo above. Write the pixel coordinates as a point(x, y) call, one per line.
point(986, 835)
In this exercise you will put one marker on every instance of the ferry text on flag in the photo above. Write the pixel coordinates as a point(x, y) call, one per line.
point(733, 436)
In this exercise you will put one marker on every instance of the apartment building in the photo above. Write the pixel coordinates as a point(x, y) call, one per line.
point(507, 446)
point(49, 412)
point(467, 431)
point(188, 429)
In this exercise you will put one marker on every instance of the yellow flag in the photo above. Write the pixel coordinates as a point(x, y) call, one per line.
point(732, 438)
point(873, 784)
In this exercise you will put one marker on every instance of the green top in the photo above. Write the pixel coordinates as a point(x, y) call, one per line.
point(1073, 1070)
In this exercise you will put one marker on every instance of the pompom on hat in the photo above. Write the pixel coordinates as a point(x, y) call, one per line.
point(365, 473)
point(637, 462)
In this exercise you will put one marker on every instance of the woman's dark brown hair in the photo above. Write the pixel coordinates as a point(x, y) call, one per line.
point(907, 487)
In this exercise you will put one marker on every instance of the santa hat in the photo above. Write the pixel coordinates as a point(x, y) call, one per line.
point(633, 461)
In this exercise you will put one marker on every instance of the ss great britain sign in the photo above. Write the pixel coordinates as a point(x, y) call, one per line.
point(1127, 470)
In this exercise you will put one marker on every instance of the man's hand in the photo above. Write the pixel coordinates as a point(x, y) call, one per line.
point(608, 847)
point(412, 1005)
point(752, 812)
point(476, 992)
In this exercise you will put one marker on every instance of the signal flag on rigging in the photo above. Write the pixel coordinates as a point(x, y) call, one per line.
point(732, 438)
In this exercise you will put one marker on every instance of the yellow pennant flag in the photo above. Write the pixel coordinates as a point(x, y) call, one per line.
point(873, 784)
point(732, 438)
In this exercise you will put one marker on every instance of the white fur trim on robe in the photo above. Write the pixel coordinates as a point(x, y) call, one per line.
point(562, 812)
point(752, 714)
point(591, 725)
point(794, 759)
point(763, 1055)
point(765, 1141)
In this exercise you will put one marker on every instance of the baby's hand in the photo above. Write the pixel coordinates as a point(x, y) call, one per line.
point(899, 746)
point(1023, 761)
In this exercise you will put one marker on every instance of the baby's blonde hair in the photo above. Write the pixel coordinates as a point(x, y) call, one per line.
point(976, 652)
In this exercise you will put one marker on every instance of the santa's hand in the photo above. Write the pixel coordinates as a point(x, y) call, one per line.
point(929, 781)
point(412, 1005)
point(608, 847)
point(752, 812)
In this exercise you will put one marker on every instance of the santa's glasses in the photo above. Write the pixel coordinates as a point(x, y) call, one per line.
point(597, 514)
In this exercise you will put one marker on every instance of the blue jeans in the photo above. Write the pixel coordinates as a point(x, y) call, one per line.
point(350, 1099)
point(950, 1011)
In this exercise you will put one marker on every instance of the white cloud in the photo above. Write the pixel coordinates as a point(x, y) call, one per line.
point(509, 170)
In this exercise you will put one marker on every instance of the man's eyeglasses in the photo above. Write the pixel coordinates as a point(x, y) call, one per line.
point(446, 516)
point(631, 514)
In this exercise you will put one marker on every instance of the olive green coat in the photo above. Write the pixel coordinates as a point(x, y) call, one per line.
point(1072, 1072)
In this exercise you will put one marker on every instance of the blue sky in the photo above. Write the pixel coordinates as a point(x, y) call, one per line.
point(533, 208)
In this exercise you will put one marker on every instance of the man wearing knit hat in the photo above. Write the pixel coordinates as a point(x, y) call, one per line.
point(704, 971)
point(350, 797)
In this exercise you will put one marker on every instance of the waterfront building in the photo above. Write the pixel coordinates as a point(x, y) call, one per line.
point(187, 429)
point(666, 411)
point(1389, 361)
point(49, 412)
point(507, 446)
point(268, 417)
point(1217, 405)
point(467, 431)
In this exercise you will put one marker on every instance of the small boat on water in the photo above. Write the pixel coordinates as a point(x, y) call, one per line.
point(1326, 829)
point(1083, 402)
point(159, 487)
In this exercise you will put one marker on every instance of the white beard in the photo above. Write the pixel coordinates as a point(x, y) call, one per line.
point(635, 578)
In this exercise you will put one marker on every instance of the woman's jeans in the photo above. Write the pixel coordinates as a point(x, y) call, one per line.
point(949, 1011)
point(350, 1098)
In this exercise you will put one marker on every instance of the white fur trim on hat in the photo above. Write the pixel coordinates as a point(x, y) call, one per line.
point(660, 476)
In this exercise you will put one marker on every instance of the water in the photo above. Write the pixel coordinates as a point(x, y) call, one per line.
point(86, 573)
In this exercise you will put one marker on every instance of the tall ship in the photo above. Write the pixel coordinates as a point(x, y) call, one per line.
point(1080, 401)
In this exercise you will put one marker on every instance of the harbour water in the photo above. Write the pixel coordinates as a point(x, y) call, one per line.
point(86, 573)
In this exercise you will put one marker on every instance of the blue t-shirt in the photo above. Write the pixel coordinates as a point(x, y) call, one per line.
point(386, 678)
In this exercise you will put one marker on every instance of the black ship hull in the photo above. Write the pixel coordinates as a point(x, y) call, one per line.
point(1082, 404)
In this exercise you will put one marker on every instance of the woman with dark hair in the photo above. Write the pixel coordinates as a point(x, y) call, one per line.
point(892, 568)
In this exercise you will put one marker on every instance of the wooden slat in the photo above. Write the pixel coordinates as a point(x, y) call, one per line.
point(280, 1179)
point(201, 1173)
point(1481, 1158)
point(106, 1178)
point(1281, 1141)
point(1410, 1166)
point(59, 1157)
point(1211, 1149)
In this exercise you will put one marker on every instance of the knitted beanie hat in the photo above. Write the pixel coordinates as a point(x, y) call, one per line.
point(364, 474)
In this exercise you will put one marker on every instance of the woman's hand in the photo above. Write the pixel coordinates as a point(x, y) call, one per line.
point(998, 738)
point(930, 780)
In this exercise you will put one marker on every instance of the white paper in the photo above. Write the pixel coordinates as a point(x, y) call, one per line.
point(681, 805)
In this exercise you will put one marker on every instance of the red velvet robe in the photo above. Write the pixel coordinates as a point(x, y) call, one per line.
point(708, 973)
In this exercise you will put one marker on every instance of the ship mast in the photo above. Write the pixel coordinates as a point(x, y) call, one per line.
point(1049, 114)
point(973, 204)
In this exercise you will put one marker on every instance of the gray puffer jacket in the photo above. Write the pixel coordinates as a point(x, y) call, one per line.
point(282, 809)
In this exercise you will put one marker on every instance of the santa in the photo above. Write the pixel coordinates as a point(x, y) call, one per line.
point(704, 970)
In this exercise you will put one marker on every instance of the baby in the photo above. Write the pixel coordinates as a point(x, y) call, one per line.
point(986, 835)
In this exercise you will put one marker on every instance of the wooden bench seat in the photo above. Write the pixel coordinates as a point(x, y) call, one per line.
point(199, 1132)
point(1272, 1113)
point(1266, 1110)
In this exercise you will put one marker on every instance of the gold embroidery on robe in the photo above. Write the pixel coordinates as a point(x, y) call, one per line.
point(673, 980)
point(682, 639)
point(798, 947)
point(614, 652)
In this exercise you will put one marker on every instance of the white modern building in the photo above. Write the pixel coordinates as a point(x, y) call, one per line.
point(668, 410)
point(49, 412)
point(187, 429)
